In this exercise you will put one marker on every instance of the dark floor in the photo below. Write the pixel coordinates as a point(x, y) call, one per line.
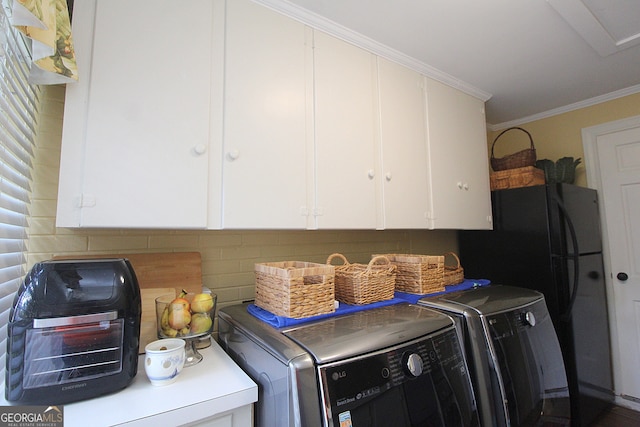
point(618, 416)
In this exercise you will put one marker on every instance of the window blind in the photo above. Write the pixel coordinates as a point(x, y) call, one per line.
point(19, 106)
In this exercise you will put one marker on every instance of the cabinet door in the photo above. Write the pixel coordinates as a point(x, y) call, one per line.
point(134, 154)
point(265, 113)
point(405, 180)
point(345, 105)
point(458, 159)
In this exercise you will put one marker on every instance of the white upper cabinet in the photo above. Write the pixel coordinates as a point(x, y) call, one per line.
point(404, 173)
point(136, 126)
point(228, 114)
point(266, 137)
point(345, 133)
point(458, 159)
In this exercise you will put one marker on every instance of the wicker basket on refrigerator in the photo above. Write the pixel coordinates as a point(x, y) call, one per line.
point(520, 159)
point(527, 176)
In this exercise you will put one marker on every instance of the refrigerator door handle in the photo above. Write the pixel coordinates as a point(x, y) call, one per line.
point(566, 316)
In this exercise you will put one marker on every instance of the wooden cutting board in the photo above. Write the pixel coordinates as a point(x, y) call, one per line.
point(158, 274)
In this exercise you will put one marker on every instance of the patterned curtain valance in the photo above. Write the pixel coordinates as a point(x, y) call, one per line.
point(47, 24)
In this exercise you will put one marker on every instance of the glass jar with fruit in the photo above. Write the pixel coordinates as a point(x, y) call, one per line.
point(188, 316)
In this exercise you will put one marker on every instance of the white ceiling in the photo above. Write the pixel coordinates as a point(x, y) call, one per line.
point(530, 58)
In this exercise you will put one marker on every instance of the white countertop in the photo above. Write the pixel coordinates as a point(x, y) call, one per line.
point(213, 386)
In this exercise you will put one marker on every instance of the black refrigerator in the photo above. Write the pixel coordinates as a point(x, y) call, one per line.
point(548, 238)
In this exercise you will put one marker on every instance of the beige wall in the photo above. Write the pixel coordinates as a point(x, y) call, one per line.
point(560, 136)
point(228, 256)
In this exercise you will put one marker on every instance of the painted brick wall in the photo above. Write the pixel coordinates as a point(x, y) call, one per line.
point(228, 257)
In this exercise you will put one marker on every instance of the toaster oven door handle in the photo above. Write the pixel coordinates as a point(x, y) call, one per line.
point(75, 320)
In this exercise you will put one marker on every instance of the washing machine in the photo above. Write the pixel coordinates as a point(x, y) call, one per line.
point(400, 365)
point(513, 353)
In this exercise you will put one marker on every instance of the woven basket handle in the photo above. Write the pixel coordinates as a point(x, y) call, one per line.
point(507, 130)
point(337, 255)
point(455, 256)
point(375, 259)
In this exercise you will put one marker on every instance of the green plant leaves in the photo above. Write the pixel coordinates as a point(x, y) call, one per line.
point(562, 171)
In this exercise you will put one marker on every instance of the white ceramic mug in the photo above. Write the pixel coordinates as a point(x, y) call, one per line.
point(164, 359)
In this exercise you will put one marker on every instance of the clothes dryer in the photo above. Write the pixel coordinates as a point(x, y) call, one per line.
point(513, 353)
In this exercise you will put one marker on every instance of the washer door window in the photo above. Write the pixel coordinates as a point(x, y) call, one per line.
point(530, 362)
point(421, 384)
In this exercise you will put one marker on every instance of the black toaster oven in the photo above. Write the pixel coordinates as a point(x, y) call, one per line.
point(73, 331)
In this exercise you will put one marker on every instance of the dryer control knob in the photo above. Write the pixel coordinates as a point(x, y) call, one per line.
point(413, 364)
point(529, 318)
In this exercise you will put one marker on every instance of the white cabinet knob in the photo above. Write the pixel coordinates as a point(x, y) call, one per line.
point(200, 149)
point(371, 173)
point(233, 155)
point(388, 176)
point(459, 185)
point(465, 186)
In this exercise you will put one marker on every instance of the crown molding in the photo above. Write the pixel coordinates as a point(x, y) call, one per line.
point(567, 108)
point(321, 23)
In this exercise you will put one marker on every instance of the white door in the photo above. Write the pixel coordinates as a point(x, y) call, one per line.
point(614, 148)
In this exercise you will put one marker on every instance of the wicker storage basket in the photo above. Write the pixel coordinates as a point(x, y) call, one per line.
point(295, 289)
point(418, 274)
point(516, 178)
point(520, 159)
point(453, 274)
point(364, 284)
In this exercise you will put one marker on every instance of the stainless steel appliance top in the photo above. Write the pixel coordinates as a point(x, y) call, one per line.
point(343, 336)
point(487, 300)
point(366, 331)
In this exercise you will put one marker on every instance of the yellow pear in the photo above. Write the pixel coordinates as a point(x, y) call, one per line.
point(200, 323)
point(169, 332)
point(179, 315)
point(201, 303)
point(181, 300)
